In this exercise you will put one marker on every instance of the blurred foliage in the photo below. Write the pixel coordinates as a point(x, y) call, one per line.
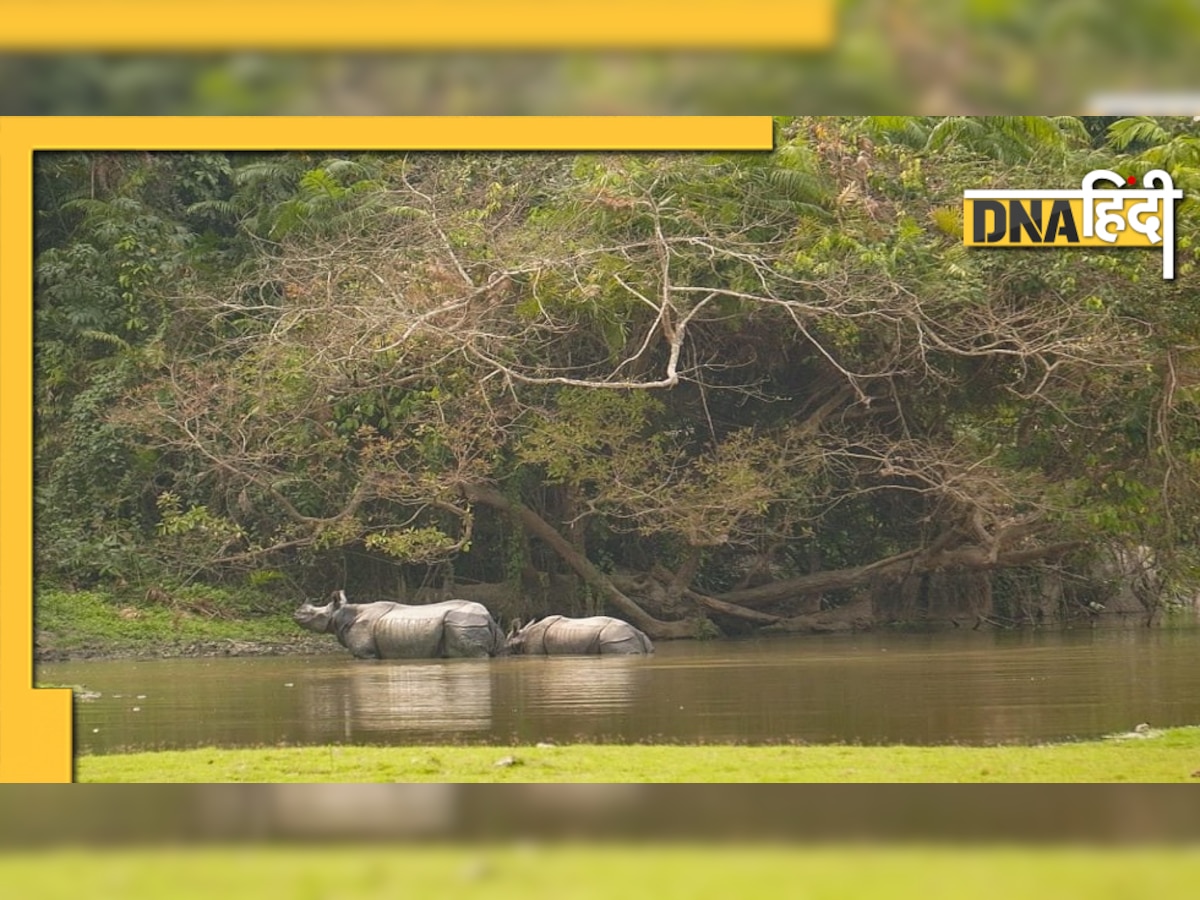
point(982, 56)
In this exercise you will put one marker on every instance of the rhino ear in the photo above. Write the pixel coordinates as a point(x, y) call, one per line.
point(339, 599)
point(514, 627)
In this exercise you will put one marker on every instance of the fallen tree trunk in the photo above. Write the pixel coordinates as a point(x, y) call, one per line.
point(540, 528)
point(675, 584)
point(731, 609)
point(856, 615)
point(912, 562)
point(748, 604)
point(818, 582)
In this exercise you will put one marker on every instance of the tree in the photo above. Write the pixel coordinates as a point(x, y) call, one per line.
point(749, 389)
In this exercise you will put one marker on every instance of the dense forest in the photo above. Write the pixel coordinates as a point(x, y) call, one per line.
point(708, 393)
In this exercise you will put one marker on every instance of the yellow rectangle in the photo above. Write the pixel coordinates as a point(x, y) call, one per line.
point(1125, 237)
point(35, 725)
point(396, 132)
point(380, 25)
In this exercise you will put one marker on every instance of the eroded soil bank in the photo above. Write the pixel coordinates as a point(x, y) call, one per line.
point(300, 645)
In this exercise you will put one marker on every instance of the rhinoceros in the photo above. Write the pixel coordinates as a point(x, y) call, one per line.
point(386, 630)
point(559, 635)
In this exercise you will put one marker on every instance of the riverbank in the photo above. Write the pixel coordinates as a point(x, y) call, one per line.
point(1166, 755)
point(187, 622)
point(199, 621)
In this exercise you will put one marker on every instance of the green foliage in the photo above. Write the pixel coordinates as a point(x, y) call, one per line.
point(155, 621)
point(263, 578)
point(1008, 139)
point(412, 545)
point(258, 362)
point(176, 522)
point(911, 131)
point(590, 435)
point(1141, 130)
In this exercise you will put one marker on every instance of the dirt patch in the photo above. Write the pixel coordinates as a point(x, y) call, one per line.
point(300, 646)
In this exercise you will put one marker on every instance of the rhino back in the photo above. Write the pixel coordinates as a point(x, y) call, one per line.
point(406, 634)
point(573, 636)
point(533, 635)
point(354, 625)
point(471, 631)
point(621, 637)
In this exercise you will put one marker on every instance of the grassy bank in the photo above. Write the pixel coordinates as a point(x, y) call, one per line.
point(1170, 755)
point(580, 872)
point(183, 621)
point(191, 620)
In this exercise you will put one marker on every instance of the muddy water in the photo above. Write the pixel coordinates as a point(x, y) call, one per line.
point(874, 688)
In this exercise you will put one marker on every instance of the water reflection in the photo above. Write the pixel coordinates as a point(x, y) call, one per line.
point(872, 688)
point(572, 698)
point(602, 683)
point(395, 696)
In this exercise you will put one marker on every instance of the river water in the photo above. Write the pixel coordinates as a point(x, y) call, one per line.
point(875, 688)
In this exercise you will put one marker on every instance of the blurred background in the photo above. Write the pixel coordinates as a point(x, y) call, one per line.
point(902, 56)
point(1114, 816)
point(325, 842)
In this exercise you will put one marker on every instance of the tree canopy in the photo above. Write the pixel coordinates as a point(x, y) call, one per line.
point(703, 391)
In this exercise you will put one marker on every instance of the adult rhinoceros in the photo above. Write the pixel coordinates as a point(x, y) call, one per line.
point(559, 635)
point(386, 630)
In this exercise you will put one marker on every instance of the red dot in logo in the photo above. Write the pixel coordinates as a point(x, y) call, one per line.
point(1131, 180)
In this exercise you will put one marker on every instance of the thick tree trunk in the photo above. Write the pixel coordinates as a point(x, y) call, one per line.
point(731, 609)
point(819, 582)
point(679, 581)
point(912, 562)
point(855, 615)
point(540, 528)
point(747, 603)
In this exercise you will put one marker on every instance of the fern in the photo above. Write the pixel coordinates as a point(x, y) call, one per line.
point(910, 131)
point(798, 186)
point(318, 181)
point(1073, 129)
point(1136, 130)
point(259, 172)
point(1175, 156)
point(348, 167)
point(220, 207)
point(86, 205)
point(104, 337)
point(1008, 138)
point(406, 212)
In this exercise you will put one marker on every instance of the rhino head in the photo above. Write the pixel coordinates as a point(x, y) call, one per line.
point(514, 643)
point(319, 618)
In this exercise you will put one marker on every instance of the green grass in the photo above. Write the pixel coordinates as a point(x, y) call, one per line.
point(97, 622)
point(579, 872)
point(1172, 755)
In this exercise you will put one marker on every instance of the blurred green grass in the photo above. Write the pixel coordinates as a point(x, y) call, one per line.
point(660, 871)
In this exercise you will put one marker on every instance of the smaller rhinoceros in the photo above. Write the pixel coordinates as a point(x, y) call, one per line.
point(387, 630)
point(559, 635)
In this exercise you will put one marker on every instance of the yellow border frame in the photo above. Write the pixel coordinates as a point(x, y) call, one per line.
point(416, 24)
point(35, 725)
